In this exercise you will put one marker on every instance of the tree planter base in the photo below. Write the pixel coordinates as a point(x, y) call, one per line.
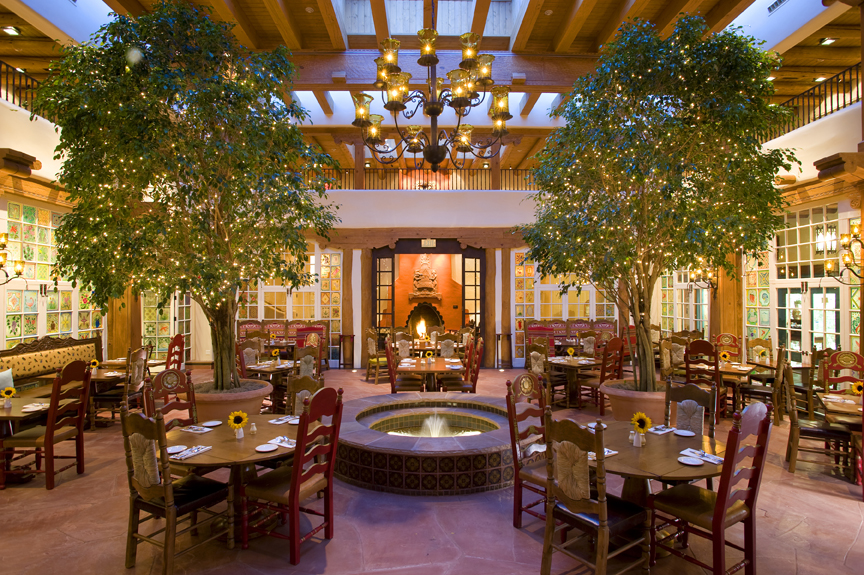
point(626, 402)
point(212, 406)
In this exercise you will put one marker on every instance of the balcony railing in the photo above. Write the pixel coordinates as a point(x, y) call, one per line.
point(835, 93)
point(17, 87)
point(467, 179)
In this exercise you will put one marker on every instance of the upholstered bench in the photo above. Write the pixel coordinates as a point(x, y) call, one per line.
point(28, 361)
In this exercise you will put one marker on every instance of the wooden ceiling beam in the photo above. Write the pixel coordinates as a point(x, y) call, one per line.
point(127, 7)
point(379, 18)
point(28, 63)
point(724, 12)
point(430, 20)
point(26, 46)
point(823, 53)
point(507, 154)
point(529, 157)
point(278, 10)
point(798, 70)
point(572, 25)
point(325, 101)
point(9, 19)
point(832, 31)
point(627, 9)
point(528, 103)
point(243, 30)
point(350, 133)
point(335, 24)
point(524, 21)
point(479, 11)
point(666, 20)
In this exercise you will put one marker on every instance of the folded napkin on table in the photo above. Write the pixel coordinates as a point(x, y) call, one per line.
point(837, 399)
point(283, 441)
point(192, 451)
point(34, 407)
point(689, 452)
point(284, 419)
point(660, 429)
point(195, 429)
point(609, 453)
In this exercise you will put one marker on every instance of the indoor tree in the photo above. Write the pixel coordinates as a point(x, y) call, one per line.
point(659, 167)
point(188, 173)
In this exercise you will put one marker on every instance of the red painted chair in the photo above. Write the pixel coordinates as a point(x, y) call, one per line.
point(407, 382)
point(311, 472)
point(468, 382)
point(528, 444)
point(709, 514)
point(176, 352)
point(167, 387)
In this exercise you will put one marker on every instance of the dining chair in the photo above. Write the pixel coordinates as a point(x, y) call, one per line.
point(603, 527)
point(166, 388)
point(169, 501)
point(176, 351)
point(527, 444)
point(841, 368)
point(65, 422)
point(129, 391)
point(537, 354)
point(306, 362)
point(468, 382)
point(805, 392)
point(377, 358)
point(708, 514)
point(251, 350)
point(759, 348)
point(403, 382)
point(240, 360)
point(773, 391)
point(858, 458)
point(611, 368)
point(728, 348)
point(672, 361)
point(281, 491)
point(701, 368)
point(831, 439)
point(298, 390)
point(692, 404)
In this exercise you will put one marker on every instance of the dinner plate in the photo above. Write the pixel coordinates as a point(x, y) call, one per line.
point(266, 448)
point(293, 420)
point(173, 449)
point(594, 424)
point(684, 432)
point(214, 423)
point(691, 460)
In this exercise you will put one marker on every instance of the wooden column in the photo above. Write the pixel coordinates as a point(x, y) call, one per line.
point(124, 325)
point(365, 301)
point(489, 310)
point(861, 143)
point(359, 165)
point(347, 295)
point(495, 166)
point(727, 312)
point(506, 327)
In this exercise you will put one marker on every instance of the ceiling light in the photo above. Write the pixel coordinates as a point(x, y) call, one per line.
point(12, 30)
point(20, 70)
point(827, 41)
point(820, 79)
point(310, 9)
point(486, 165)
point(770, 78)
point(548, 12)
point(368, 164)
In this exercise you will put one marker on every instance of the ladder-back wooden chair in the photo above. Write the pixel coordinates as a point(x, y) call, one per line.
point(163, 393)
point(176, 352)
point(701, 368)
point(527, 443)
point(773, 391)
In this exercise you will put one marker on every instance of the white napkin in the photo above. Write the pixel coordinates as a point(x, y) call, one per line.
point(660, 430)
point(113, 373)
point(836, 399)
point(609, 453)
point(283, 441)
point(31, 407)
point(285, 419)
point(703, 456)
point(195, 429)
point(192, 451)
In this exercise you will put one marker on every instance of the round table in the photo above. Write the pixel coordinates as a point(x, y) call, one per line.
point(657, 459)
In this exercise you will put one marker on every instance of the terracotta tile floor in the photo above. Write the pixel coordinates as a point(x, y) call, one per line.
point(809, 522)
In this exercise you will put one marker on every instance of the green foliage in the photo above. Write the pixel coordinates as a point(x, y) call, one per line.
point(660, 164)
point(184, 162)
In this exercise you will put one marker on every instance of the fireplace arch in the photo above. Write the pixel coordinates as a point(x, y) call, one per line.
point(425, 311)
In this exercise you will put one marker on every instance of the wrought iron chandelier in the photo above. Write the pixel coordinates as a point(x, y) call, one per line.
point(17, 265)
point(851, 244)
point(462, 94)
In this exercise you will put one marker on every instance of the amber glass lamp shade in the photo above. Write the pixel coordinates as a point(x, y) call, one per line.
point(414, 144)
point(390, 53)
point(500, 107)
point(499, 128)
point(427, 38)
point(4, 238)
point(361, 110)
point(463, 139)
point(469, 40)
point(460, 88)
point(18, 267)
point(373, 132)
point(396, 90)
point(483, 71)
point(381, 74)
point(3, 256)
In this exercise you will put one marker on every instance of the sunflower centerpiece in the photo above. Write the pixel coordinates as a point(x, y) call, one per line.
point(570, 352)
point(429, 355)
point(725, 356)
point(857, 388)
point(641, 424)
point(275, 355)
point(237, 420)
point(7, 393)
point(94, 363)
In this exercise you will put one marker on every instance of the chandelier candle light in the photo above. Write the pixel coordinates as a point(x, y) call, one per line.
point(17, 266)
point(463, 94)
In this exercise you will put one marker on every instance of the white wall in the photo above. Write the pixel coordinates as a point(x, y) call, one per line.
point(36, 138)
point(838, 132)
point(63, 20)
point(788, 24)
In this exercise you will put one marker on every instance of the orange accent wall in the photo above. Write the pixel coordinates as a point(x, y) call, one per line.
point(451, 292)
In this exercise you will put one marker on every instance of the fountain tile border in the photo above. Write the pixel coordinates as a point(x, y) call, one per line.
point(424, 466)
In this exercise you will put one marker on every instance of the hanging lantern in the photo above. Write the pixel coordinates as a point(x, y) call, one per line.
point(500, 107)
point(463, 139)
point(427, 38)
point(483, 70)
point(433, 106)
point(396, 90)
point(413, 141)
point(460, 90)
point(390, 53)
point(469, 40)
point(361, 109)
point(499, 128)
point(373, 134)
point(381, 74)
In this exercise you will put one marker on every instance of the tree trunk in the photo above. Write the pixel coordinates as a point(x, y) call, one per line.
point(647, 376)
point(224, 347)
